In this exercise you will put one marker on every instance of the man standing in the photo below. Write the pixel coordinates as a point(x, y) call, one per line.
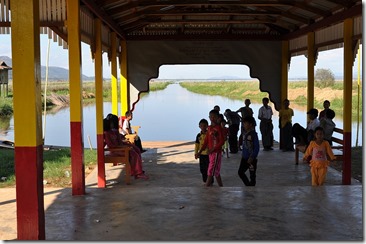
point(234, 122)
point(266, 127)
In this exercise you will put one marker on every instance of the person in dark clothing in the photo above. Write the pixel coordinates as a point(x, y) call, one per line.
point(233, 120)
point(249, 153)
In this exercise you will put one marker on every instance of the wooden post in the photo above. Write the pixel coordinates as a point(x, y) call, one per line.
point(124, 83)
point(311, 64)
point(284, 80)
point(347, 100)
point(76, 99)
point(99, 101)
point(27, 119)
point(114, 73)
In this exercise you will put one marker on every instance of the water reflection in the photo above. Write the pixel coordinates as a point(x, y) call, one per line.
point(169, 115)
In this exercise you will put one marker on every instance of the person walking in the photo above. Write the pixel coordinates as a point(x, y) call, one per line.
point(249, 153)
point(316, 153)
point(285, 114)
point(266, 127)
point(213, 141)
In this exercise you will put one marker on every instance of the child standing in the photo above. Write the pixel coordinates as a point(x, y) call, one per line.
point(318, 149)
point(249, 153)
point(203, 157)
point(213, 141)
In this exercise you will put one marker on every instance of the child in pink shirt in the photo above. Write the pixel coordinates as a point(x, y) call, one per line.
point(213, 141)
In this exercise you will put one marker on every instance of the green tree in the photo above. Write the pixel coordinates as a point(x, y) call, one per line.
point(324, 78)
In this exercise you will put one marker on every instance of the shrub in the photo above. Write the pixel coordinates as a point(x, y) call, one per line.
point(6, 110)
point(324, 78)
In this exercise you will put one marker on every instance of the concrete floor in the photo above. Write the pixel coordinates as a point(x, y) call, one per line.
point(173, 205)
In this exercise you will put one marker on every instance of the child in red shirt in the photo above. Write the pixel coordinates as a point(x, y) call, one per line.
point(213, 141)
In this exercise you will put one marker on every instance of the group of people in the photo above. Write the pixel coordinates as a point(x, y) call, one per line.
point(209, 145)
point(210, 141)
point(114, 137)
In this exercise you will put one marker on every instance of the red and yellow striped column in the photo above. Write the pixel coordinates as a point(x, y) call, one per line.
point(311, 64)
point(114, 73)
point(27, 119)
point(347, 100)
point(124, 83)
point(76, 107)
point(98, 62)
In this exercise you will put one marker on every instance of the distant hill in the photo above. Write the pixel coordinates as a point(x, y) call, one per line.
point(54, 73)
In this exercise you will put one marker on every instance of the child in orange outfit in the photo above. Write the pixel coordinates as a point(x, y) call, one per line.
point(318, 149)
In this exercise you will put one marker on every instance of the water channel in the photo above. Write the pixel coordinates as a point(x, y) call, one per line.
point(171, 114)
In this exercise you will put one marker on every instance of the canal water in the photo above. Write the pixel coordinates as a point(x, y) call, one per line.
point(171, 114)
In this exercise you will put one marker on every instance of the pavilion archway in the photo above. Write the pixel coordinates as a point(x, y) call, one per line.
point(263, 58)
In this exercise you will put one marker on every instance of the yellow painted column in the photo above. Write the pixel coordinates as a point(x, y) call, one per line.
point(311, 64)
point(284, 78)
point(124, 83)
point(347, 100)
point(27, 102)
point(114, 73)
point(98, 62)
point(76, 99)
point(284, 73)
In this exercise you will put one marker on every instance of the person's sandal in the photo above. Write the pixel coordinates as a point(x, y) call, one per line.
point(142, 176)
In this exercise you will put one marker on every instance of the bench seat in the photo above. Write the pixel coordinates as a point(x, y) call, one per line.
point(123, 157)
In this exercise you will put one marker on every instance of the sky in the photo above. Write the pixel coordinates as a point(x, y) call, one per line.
point(332, 59)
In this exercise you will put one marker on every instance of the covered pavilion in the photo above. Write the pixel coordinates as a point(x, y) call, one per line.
point(145, 34)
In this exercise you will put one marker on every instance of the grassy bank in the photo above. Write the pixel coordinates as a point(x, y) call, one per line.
point(240, 90)
point(61, 88)
point(57, 166)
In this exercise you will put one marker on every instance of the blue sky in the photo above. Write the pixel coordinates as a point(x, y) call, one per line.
point(332, 60)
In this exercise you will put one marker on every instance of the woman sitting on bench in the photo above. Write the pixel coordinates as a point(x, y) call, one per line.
point(113, 139)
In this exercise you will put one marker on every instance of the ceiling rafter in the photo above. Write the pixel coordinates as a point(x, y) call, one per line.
point(183, 17)
point(93, 7)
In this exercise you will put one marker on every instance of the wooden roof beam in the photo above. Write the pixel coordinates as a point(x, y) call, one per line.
point(331, 20)
point(94, 8)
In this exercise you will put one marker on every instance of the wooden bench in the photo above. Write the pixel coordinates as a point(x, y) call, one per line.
point(123, 157)
point(337, 149)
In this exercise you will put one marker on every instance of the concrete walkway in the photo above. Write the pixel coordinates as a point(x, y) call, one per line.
point(173, 205)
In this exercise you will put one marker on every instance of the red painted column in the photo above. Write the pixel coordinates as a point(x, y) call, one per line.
point(77, 158)
point(30, 204)
point(76, 107)
point(101, 165)
point(27, 104)
point(98, 61)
